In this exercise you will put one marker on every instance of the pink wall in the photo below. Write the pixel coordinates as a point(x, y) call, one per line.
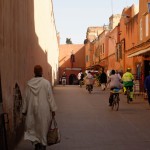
point(19, 51)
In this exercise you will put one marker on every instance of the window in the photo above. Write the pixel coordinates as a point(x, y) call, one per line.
point(141, 32)
point(147, 25)
point(103, 48)
point(87, 58)
point(117, 56)
point(120, 51)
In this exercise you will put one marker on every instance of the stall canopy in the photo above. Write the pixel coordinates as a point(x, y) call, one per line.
point(94, 67)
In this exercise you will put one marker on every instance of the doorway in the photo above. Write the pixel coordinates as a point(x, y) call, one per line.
point(73, 79)
point(138, 71)
point(146, 68)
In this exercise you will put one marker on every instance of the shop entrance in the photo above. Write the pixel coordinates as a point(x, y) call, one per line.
point(146, 68)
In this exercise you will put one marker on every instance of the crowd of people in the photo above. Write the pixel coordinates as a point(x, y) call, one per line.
point(39, 104)
point(115, 80)
point(111, 80)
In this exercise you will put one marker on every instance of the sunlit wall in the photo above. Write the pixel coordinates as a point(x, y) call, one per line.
point(45, 30)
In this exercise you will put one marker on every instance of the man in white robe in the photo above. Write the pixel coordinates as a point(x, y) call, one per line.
point(39, 107)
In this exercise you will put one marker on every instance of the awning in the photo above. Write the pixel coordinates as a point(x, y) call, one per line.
point(141, 52)
point(94, 67)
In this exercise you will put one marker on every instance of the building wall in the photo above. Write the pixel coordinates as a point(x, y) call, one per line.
point(93, 32)
point(87, 54)
point(128, 35)
point(114, 20)
point(112, 46)
point(26, 39)
point(143, 40)
point(65, 65)
point(96, 57)
point(143, 25)
point(45, 29)
point(103, 45)
point(140, 36)
point(128, 44)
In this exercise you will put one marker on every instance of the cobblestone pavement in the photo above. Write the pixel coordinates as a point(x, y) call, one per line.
point(87, 122)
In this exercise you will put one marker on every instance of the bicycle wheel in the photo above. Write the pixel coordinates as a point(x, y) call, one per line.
point(80, 83)
point(118, 99)
point(115, 103)
point(128, 96)
point(89, 89)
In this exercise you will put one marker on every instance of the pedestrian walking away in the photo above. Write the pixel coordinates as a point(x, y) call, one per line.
point(103, 80)
point(38, 107)
point(89, 81)
point(147, 87)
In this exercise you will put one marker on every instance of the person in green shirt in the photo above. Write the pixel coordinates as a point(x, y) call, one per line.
point(127, 79)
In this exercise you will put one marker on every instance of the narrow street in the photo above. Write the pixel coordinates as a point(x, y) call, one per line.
point(87, 122)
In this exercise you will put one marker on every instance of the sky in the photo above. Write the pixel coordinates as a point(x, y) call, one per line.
point(73, 17)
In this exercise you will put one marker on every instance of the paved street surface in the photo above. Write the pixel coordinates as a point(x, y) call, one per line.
point(86, 122)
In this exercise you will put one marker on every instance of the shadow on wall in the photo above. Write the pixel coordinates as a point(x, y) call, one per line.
point(21, 47)
point(79, 61)
point(72, 68)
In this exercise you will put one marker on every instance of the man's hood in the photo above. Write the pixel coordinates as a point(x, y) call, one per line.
point(34, 84)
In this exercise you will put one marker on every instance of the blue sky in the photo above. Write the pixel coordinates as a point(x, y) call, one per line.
point(73, 17)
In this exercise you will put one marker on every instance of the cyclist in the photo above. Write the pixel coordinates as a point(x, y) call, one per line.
point(147, 87)
point(89, 80)
point(103, 79)
point(127, 79)
point(114, 83)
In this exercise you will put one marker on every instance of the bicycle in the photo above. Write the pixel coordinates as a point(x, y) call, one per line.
point(129, 99)
point(116, 99)
point(89, 84)
point(80, 83)
point(89, 88)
